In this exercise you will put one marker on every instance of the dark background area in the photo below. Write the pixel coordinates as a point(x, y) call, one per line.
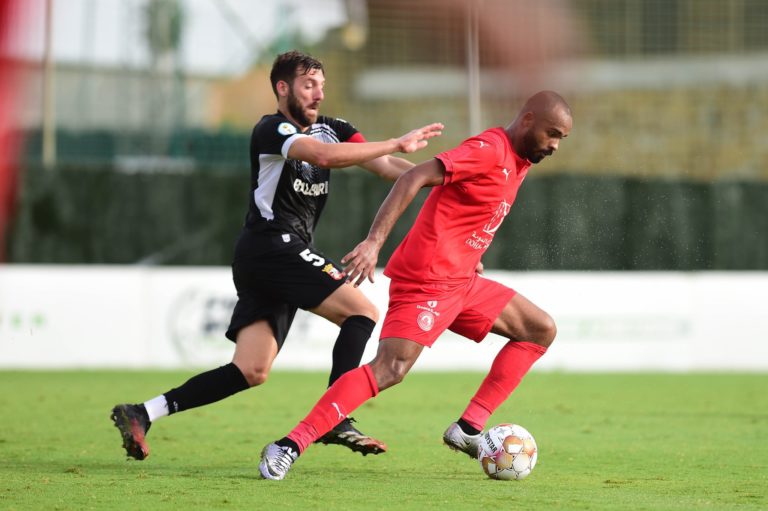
point(558, 222)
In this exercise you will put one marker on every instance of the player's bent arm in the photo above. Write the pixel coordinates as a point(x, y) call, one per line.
point(429, 173)
point(361, 262)
point(387, 167)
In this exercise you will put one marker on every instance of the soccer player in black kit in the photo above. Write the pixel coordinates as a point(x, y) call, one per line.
point(276, 267)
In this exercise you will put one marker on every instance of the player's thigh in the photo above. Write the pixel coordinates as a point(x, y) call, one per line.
point(344, 302)
point(253, 306)
point(522, 320)
point(255, 351)
point(482, 301)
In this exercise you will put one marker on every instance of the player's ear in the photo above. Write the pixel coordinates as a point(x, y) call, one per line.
point(528, 119)
point(282, 88)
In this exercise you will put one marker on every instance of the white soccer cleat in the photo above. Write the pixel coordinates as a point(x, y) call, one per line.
point(457, 440)
point(276, 461)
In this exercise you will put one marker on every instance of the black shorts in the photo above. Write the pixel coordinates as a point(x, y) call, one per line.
point(276, 274)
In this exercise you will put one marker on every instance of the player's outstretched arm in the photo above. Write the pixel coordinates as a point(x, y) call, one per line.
point(388, 167)
point(361, 262)
point(417, 139)
point(336, 156)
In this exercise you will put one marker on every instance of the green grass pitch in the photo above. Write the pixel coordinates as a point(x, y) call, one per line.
point(606, 442)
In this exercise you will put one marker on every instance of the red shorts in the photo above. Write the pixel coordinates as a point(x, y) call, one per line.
point(421, 313)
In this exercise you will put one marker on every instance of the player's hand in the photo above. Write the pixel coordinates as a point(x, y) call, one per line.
point(361, 262)
point(479, 268)
point(417, 139)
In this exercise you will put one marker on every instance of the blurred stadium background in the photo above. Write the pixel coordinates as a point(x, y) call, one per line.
point(129, 151)
point(126, 123)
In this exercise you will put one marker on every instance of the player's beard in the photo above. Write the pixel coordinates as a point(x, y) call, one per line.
point(532, 154)
point(303, 117)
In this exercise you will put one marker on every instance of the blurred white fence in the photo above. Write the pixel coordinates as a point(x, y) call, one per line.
point(139, 317)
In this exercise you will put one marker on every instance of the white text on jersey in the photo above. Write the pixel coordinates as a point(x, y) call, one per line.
point(313, 190)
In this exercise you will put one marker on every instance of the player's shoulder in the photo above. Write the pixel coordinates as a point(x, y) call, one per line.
point(275, 123)
point(489, 143)
point(334, 122)
point(339, 130)
point(493, 136)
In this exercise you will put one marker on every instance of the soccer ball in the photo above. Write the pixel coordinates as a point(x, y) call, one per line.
point(507, 451)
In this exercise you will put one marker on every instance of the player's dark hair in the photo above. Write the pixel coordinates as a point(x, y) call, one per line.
point(289, 65)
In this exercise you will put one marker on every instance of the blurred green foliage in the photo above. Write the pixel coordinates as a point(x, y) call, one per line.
point(559, 222)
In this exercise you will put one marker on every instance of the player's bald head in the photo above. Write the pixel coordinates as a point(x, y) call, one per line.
point(543, 121)
point(546, 103)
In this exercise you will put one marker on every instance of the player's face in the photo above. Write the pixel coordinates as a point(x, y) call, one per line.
point(544, 135)
point(305, 96)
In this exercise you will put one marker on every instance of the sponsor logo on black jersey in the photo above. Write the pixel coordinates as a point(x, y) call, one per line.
point(311, 189)
point(333, 272)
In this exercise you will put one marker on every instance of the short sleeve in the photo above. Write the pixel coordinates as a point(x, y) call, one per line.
point(474, 155)
point(343, 129)
point(274, 135)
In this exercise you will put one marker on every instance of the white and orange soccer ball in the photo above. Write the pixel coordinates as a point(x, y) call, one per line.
point(507, 451)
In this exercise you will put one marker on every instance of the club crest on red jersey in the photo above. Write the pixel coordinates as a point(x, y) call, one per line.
point(426, 320)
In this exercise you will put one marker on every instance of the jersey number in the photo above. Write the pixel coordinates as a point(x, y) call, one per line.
point(315, 259)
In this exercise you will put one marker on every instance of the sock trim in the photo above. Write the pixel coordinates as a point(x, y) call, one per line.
point(156, 408)
point(468, 428)
point(371, 380)
point(363, 321)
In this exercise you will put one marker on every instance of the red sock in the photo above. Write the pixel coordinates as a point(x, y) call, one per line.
point(508, 368)
point(348, 392)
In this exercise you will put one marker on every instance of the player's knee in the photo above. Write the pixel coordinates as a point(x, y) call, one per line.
point(398, 372)
point(367, 310)
point(255, 375)
point(546, 331)
point(371, 312)
point(392, 376)
point(389, 374)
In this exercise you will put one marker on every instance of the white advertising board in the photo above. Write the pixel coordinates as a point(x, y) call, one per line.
point(150, 317)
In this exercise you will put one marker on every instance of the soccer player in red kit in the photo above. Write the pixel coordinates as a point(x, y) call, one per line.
point(436, 282)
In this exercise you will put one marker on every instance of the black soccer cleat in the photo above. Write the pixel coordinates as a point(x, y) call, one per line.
point(344, 433)
point(133, 423)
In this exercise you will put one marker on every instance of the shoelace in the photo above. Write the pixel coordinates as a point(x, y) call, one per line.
point(284, 459)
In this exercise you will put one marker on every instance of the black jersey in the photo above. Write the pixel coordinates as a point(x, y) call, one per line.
point(287, 196)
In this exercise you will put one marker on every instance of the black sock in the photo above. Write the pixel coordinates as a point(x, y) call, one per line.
point(467, 428)
point(287, 442)
point(350, 345)
point(206, 388)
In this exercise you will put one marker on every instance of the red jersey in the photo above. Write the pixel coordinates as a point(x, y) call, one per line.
point(460, 217)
